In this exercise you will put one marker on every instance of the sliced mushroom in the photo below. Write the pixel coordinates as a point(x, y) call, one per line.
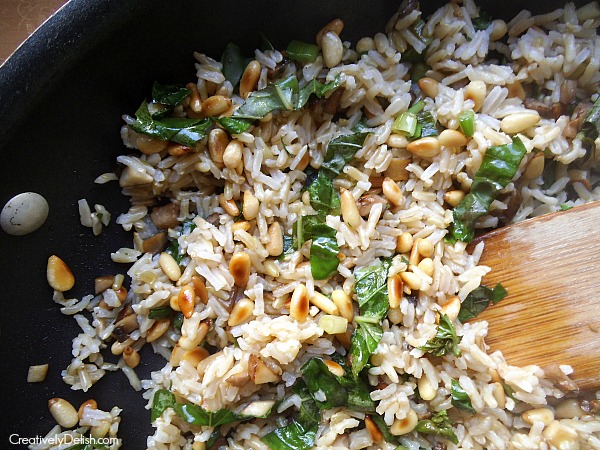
point(156, 243)
point(558, 377)
point(512, 201)
point(542, 108)
point(165, 217)
point(568, 90)
point(103, 283)
point(238, 380)
point(366, 202)
point(259, 372)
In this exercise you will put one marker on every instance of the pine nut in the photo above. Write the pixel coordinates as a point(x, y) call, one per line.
point(494, 375)
point(243, 225)
point(239, 267)
point(498, 29)
point(215, 105)
point(454, 197)
point(426, 147)
point(324, 304)
point(397, 169)
point(412, 280)
point(516, 90)
point(176, 355)
point(195, 101)
point(149, 145)
point(303, 164)
point(117, 347)
point(429, 87)
point(59, 276)
point(350, 212)
point(217, 143)
point(334, 368)
point(406, 425)
point(190, 343)
point(174, 149)
point(404, 243)
point(159, 328)
point(241, 312)
point(333, 324)
point(333, 49)
point(561, 437)
point(568, 409)
point(425, 248)
point(544, 415)
point(476, 91)
point(131, 357)
point(517, 122)
point(395, 289)
point(535, 166)
point(200, 289)
point(271, 268)
point(91, 403)
point(415, 256)
point(365, 44)
point(197, 445)
point(373, 430)
point(499, 395)
point(169, 266)
point(299, 304)
point(101, 430)
point(37, 374)
point(336, 25)
point(395, 315)
point(426, 390)
point(452, 138)
point(174, 303)
point(63, 412)
point(343, 303)
point(392, 192)
point(451, 308)
point(427, 266)
point(232, 157)
point(250, 206)
point(195, 355)
point(396, 141)
point(121, 294)
point(187, 300)
point(103, 283)
point(275, 244)
point(249, 80)
point(229, 206)
point(377, 359)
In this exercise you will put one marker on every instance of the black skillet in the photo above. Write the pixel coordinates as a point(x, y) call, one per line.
point(61, 98)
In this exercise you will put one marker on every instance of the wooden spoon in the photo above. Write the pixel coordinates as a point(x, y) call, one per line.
point(550, 266)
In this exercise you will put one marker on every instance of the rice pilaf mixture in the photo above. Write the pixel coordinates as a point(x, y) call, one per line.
point(300, 236)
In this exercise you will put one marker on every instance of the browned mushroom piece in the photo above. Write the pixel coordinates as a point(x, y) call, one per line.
point(156, 243)
point(579, 114)
point(558, 377)
point(165, 217)
point(366, 202)
point(568, 91)
point(542, 108)
point(512, 201)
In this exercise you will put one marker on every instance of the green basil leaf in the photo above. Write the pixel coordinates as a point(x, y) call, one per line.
point(385, 430)
point(445, 341)
point(233, 62)
point(178, 321)
point(169, 94)
point(317, 88)
point(214, 436)
point(163, 399)
point(324, 259)
point(590, 128)
point(260, 103)
point(428, 125)
point(320, 380)
point(340, 151)
point(438, 425)
point(233, 125)
point(310, 414)
point(196, 415)
point(371, 289)
point(364, 342)
point(460, 398)
point(479, 299)
point(323, 197)
point(162, 312)
point(291, 437)
point(498, 167)
point(302, 52)
point(483, 21)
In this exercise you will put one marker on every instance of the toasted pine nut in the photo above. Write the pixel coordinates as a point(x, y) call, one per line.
point(229, 206)
point(217, 143)
point(499, 395)
point(169, 266)
point(149, 145)
point(117, 347)
point(197, 445)
point(476, 91)
point(200, 289)
point(365, 44)
point(249, 79)
point(426, 147)
point(101, 430)
point(544, 415)
point(451, 308)
point(429, 86)
point(452, 138)
point(174, 303)
point(176, 355)
point(426, 390)
point(404, 243)
point(121, 294)
point(406, 425)
point(349, 209)
point(334, 368)
point(242, 225)
point(239, 267)
point(299, 303)
point(187, 343)
point(131, 357)
point(494, 375)
point(377, 359)
point(91, 403)
point(395, 286)
point(454, 197)
point(324, 304)
point(159, 328)
point(333, 49)
point(195, 355)
point(427, 266)
point(103, 283)
point(187, 300)
point(241, 312)
point(412, 280)
point(396, 141)
point(373, 430)
point(397, 169)
point(517, 122)
point(303, 164)
point(560, 436)
point(60, 278)
point(425, 248)
point(250, 206)
point(215, 105)
point(498, 29)
point(568, 409)
point(392, 192)
point(37, 374)
point(336, 25)
point(174, 149)
point(344, 304)
point(232, 157)
point(535, 166)
point(63, 412)
point(415, 256)
point(195, 100)
point(275, 244)
point(395, 315)
point(516, 90)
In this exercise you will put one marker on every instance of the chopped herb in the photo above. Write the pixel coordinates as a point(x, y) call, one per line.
point(479, 299)
point(411, 55)
point(168, 96)
point(466, 119)
point(324, 252)
point(302, 52)
point(162, 400)
point(499, 166)
point(427, 124)
point(340, 151)
point(445, 341)
point(233, 125)
point(365, 340)
point(438, 425)
point(309, 414)
point(385, 430)
point(317, 88)
point(483, 21)
point(510, 392)
point(323, 197)
point(590, 128)
point(196, 415)
point(419, 71)
point(233, 62)
point(162, 312)
point(460, 398)
point(564, 207)
point(405, 123)
point(291, 437)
